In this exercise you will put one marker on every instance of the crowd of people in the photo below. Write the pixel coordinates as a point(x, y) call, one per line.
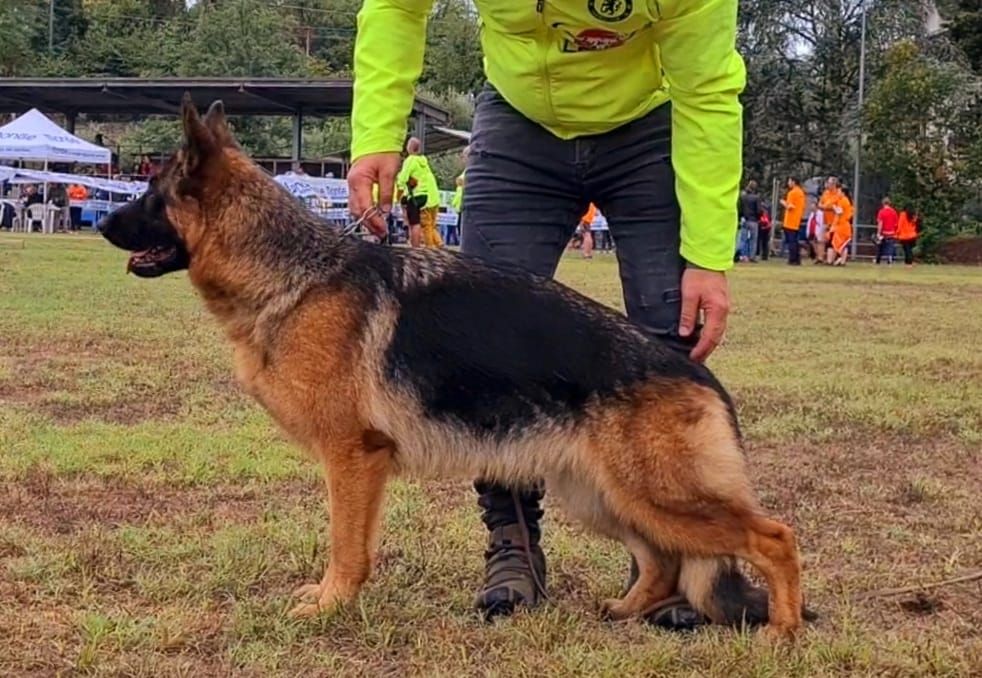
point(820, 226)
point(823, 226)
point(58, 196)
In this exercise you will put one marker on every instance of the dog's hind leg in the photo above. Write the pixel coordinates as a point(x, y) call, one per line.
point(356, 472)
point(657, 578)
point(672, 468)
point(657, 571)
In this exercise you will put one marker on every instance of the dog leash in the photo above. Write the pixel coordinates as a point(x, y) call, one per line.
point(353, 227)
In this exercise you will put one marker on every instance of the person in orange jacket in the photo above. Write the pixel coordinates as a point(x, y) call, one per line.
point(585, 228)
point(908, 228)
point(794, 212)
point(827, 205)
point(827, 202)
point(76, 194)
point(838, 253)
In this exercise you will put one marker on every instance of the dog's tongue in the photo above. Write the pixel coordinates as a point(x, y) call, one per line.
point(135, 257)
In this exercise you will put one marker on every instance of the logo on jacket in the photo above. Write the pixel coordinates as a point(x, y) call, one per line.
point(594, 40)
point(610, 10)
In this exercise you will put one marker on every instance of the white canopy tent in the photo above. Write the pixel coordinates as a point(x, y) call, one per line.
point(34, 137)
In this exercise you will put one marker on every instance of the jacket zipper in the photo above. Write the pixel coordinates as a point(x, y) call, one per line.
point(540, 6)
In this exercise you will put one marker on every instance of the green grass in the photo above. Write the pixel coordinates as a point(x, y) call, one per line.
point(153, 521)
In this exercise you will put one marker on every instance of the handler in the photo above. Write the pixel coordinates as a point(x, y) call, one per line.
point(629, 104)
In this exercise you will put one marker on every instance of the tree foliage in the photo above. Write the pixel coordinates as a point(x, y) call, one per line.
point(925, 134)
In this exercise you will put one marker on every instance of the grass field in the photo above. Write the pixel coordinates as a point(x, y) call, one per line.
point(153, 522)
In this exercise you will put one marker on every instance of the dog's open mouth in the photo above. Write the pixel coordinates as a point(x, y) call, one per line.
point(157, 261)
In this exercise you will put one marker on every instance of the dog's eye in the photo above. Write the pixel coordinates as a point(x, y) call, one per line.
point(152, 201)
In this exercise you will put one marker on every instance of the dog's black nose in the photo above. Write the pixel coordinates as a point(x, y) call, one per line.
point(103, 223)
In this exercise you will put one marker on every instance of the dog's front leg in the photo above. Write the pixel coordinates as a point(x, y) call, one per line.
point(356, 472)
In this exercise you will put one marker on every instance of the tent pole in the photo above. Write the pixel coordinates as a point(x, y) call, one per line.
point(44, 212)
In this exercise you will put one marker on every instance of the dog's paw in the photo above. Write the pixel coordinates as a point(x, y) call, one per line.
point(616, 609)
point(308, 592)
point(778, 634)
point(304, 611)
point(316, 600)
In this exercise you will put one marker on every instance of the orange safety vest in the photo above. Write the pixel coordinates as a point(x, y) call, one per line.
point(842, 227)
point(826, 203)
point(906, 227)
point(795, 210)
point(590, 215)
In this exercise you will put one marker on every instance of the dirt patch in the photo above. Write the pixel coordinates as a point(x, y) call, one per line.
point(961, 250)
point(127, 411)
point(890, 513)
point(47, 380)
point(63, 505)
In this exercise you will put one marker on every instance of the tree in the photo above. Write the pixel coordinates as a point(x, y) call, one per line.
point(15, 47)
point(234, 38)
point(965, 28)
point(924, 134)
point(122, 36)
point(69, 24)
point(453, 60)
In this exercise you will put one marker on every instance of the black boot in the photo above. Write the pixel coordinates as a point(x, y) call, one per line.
point(515, 567)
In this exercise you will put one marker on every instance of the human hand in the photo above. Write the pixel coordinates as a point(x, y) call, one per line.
point(706, 291)
point(368, 170)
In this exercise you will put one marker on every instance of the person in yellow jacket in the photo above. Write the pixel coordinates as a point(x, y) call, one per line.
point(627, 104)
point(420, 197)
point(456, 202)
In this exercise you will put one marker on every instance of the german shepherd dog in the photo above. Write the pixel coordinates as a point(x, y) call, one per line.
point(380, 360)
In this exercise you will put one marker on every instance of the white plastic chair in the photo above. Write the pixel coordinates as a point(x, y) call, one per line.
point(38, 213)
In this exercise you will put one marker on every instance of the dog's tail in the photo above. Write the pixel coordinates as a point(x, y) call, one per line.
point(718, 589)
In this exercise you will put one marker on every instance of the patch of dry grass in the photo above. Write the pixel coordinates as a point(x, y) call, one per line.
point(153, 522)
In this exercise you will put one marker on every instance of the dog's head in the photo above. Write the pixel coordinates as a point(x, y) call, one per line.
point(165, 225)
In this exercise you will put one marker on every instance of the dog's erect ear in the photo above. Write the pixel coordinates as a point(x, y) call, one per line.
point(199, 141)
point(217, 124)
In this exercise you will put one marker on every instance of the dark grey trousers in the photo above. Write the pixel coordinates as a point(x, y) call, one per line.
point(526, 191)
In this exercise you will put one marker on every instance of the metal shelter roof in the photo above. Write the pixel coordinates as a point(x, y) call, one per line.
point(162, 96)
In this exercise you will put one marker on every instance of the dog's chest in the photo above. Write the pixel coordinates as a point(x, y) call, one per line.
point(263, 385)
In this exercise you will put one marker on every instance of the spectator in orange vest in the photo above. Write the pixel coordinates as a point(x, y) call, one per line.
point(794, 211)
point(841, 231)
point(76, 194)
point(908, 228)
point(827, 203)
point(830, 196)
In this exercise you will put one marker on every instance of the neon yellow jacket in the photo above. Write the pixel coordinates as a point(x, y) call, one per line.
point(418, 167)
point(582, 67)
point(458, 195)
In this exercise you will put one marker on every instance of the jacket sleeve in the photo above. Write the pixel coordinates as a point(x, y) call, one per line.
point(388, 61)
point(405, 171)
point(705, 75)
